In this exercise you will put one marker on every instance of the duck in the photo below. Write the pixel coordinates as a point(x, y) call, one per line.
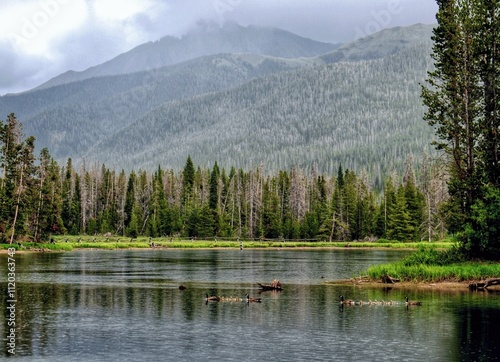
point(411, 302)
point(254, 300)
point(347, 301)
point(212, 298)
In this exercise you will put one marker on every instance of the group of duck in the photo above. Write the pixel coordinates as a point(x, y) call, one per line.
point(343, 301)
point(248, 299)
point(377, 302)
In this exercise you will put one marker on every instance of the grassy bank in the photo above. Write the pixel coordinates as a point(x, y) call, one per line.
point(68, 243)
point(430, 265)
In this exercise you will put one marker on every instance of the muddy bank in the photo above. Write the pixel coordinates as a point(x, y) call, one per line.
point(442, 285)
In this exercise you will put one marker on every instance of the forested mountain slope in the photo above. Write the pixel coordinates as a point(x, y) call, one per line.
point(70, 118)
point(365, 114)
point(205, 39)
point(363, 109)
point(381, 44)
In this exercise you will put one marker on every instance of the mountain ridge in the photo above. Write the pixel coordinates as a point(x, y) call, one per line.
point(321, 115)
point(204, 40)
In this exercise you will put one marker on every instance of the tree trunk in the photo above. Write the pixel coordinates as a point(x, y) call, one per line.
point(333, 227)
point(19, 191)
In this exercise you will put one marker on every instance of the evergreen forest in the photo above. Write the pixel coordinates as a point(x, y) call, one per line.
point(40, 198)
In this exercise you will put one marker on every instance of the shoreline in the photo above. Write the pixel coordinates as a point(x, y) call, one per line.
point(441, 286)
point(367, 283)
point(285, 247)
point(360, 282)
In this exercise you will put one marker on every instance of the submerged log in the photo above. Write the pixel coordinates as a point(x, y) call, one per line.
point(275, 285)
point(389, 280)
point(484, 285)
point(491, 281)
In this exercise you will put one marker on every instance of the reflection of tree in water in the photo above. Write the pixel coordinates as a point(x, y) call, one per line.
point(478, 330)
point(33, 306)
point(39, 307)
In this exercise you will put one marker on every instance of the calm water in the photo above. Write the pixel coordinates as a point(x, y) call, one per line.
point(126, 306)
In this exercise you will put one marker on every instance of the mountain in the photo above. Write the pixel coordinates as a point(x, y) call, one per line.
point(362, 109)
point(70, 118)
point(365, 115)
point(205, 39)
point(381, 44)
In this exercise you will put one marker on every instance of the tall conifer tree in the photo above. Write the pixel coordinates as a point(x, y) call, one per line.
point(462, 104)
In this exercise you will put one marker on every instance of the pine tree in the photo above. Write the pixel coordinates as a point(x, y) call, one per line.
point(399, 221)
point(129, 199)
point(213, 198)
point(414, 202)
point(452, 101)
point(76, 208)
point(487, 30)
point(213, 202)
point(47, 210)
point(271, 211)
point(389, 204)
point(187, 182)
point(462, 104)
point(17, 163)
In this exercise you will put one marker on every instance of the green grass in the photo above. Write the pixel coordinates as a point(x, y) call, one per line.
point(430, 265)
point(70, 242)
point(436, 273)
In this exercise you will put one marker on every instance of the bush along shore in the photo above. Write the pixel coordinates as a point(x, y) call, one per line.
point(429, 265)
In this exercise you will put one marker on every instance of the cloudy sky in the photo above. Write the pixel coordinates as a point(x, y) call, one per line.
point(40, 39)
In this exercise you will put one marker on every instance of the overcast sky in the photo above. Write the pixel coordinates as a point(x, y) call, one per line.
point(40, 39)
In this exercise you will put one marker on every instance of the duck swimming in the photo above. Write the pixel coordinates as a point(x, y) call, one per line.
point(212, 298)
point(255, 300)
point(347, 301)
point(411, 302)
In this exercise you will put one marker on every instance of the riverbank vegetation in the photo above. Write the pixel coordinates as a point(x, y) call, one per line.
point(433, 266)
point(69, 242)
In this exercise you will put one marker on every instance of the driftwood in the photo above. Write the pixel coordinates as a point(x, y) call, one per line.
point(275, 285)
point(389, 280)
point(484, 285)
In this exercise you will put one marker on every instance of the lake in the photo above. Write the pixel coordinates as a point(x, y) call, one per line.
point(125, 305)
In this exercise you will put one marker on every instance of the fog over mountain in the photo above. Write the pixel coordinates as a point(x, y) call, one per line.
point(205, 39)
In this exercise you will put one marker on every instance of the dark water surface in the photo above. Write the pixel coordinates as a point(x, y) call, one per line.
point(126, 306)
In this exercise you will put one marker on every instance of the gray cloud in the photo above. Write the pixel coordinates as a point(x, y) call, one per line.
point(96, 41)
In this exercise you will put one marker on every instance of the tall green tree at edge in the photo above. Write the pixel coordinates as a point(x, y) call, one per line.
point(461, 104)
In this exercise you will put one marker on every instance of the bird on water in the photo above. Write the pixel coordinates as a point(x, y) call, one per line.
point(411, 302)
point(256, 300)
point(212, 298)
point(347, 301)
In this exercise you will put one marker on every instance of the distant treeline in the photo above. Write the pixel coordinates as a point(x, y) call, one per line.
point(39, 198)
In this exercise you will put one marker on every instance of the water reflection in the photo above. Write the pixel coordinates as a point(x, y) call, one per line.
point(126, 306)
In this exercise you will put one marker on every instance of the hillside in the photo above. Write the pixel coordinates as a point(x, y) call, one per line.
point(367, 115)
point(69, 119)
point(379, 45)
point(205, 39)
